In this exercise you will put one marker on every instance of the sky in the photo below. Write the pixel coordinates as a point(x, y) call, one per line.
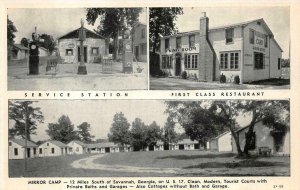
point(99, 114)
point(55, 22)
point(277, 18)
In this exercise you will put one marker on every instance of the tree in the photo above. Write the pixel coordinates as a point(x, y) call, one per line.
point(137, 133)
point(161, 23)
point(224, 114)
point(84, 132)
point(25, 42)
point(170, 135)
point(26, 118)
point(119, 131)
point(197, 121)
point(113, 21)
point(63, 130)
point(153, 133)
point(11, 29)
point(48, 43)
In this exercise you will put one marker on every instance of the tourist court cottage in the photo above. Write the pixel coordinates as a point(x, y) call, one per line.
point(16, 149)
point(221, 143)
point(95, 47)
point(248, 50)
point(265, 139)
point(53, 148)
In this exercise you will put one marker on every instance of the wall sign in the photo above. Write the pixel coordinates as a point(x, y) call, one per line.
point(187, 49)
point(71, 45)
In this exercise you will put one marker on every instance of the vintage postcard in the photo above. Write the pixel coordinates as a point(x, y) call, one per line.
point(149, 95)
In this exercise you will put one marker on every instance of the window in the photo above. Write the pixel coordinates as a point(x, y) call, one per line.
point(229, 33)
point(224, 60)
point(266, 40)
point(16, 151)
point(192, 40)
point(40, 151)
point(47, 144)
point(229, 61)
point(259, 60)
point(178, 42)
point(191, 61)
point(166, 62)
point(234, 60)
point(144, 49)
point(279, 63)
point(143, 33)
point(77, 149)
point(251, 36)
point(95, 51)
point(52, 150)
point(9, 143)
point(167, 45)
point(69, 51)
point(34, 151)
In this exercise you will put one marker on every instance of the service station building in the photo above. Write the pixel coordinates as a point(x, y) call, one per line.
point(247, 49)
point(95, 47)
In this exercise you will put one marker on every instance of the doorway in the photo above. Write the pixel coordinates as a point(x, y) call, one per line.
point(178, 64)
point(136, 52)
point(84, 54)
point(28, 153)
point(107, 149)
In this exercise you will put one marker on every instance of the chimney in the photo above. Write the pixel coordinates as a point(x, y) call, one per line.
point(206, 65)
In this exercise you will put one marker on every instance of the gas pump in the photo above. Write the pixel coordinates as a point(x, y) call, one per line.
point(127, 53)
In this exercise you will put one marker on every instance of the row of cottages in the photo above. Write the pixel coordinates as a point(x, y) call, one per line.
point(108, 147)
point(185, 144)
point(18, 52)
point(248, 50)
point(276, 142)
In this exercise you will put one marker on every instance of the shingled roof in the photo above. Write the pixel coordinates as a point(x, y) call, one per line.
point(75, 34)
point(22, 142)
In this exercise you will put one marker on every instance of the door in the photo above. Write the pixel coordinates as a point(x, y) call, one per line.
point(28, 153)
point(178, 65)
point(84, 54)
point(107, 150)
point(136, 52)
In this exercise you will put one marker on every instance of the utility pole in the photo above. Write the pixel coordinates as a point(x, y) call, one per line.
point(82, 36)
point(25, 149)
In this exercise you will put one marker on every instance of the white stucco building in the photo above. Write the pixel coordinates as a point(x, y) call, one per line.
point(16, 149)
point(139, 41)
point(221, 143)
point(95, 47)
point(107, 147)
point(52, 148)
point(77, 147)
point(265, 138)
point(248, 50)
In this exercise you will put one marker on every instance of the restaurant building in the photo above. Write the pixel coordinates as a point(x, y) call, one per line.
point(247, 50)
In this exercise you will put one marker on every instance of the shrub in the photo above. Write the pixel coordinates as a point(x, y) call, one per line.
point(184, 75)
point(236, 79)
point(222, 78)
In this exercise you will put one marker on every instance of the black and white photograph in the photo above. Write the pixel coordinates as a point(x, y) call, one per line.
point(148, 138)
point(77, 49)
point(210, 48)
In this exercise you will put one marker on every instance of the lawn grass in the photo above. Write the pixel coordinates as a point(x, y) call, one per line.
point(188, 163)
